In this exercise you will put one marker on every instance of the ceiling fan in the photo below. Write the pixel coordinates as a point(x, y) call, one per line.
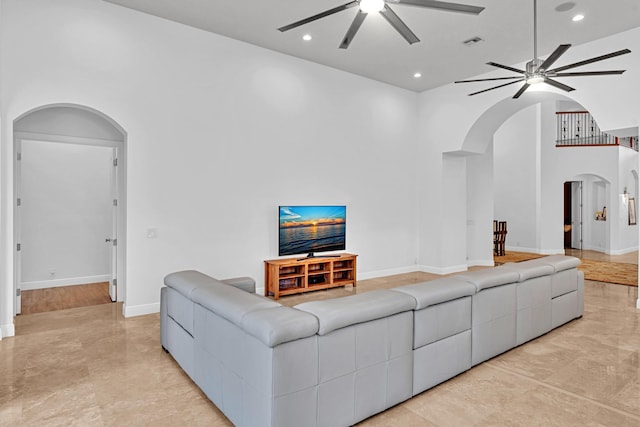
point(382, 6)
point(537, 70)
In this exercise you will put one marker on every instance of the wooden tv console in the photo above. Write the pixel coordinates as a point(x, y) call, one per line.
point(297, 275)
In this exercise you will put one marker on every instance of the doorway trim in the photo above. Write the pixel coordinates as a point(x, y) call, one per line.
point(120, 146)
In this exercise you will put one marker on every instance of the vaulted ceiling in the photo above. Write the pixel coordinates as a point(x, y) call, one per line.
point(379, 52)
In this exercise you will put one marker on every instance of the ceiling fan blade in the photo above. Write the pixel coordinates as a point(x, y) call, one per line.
point(488, 80)
point(553, 57)
point(495, 87)
point(399, 25)
point(442, 5)
point(320, 15)
point(588, 73)
point(521, 91)
point(557, 84)
point(353, 29)
point(592, 60)
point(506, 67)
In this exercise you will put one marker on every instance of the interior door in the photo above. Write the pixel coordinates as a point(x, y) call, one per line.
point(113, 239)
point(576, 215)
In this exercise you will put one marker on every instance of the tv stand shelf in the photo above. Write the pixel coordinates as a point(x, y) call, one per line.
point(294, 275)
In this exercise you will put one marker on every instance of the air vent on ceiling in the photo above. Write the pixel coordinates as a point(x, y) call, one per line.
point(472, 41)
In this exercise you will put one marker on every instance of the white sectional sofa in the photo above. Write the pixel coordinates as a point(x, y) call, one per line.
point(336, 362)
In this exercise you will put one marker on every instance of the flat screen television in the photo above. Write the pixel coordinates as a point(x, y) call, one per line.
point(311, 229)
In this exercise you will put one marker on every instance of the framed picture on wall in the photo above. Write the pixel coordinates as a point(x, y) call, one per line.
point(632, 211)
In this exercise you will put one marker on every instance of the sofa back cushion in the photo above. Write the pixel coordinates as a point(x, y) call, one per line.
point(528, 270)
point(489, 278)
point(229, 302)
point(338, 313)
point(437, 291)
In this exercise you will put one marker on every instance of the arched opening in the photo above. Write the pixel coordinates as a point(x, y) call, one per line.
point(70, 191)
point(533, 205)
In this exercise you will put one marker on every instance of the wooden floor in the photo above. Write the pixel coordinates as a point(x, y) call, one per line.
point(60, 298)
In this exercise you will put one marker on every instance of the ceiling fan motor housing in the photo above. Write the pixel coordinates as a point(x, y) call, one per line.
point(533, 65)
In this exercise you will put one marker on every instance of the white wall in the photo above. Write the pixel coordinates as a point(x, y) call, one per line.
point(529, 175)
point(516, 148)
point(219, 133)
point(66, 214)
point(480, 207)
point(628, 179)
point(451, 121)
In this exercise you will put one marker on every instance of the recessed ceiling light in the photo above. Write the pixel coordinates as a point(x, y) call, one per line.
point(307, 37)
point(578, 17)
point(417, 75)
point(565, 6)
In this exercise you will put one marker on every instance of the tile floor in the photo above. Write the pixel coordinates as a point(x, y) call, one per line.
point(90, 366)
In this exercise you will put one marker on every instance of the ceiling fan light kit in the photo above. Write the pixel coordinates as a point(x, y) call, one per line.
point(537, 70)
point(382, 6)
point(371, 6)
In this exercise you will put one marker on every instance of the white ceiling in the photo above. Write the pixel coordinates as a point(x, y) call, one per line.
point(380, 53)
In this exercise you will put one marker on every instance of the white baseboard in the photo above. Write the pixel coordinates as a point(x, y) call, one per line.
point(623, 251)
point(535, 250)
point(72, 281)
point(481, 262)
point(444, 270)
point(413, 269)
point(388, 272)
point(140, 310)
point(8, 330)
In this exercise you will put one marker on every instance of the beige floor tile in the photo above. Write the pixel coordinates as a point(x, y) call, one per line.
point(90, 366)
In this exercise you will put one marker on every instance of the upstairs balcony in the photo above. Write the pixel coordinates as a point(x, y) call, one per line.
point(579, 129)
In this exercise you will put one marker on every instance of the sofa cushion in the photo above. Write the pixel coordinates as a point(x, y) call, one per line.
point(338, 313)
point(528, 270)
point(230, 302)
point(187, 281)
point(489, 278)
point(277, 325)
point(246, 284)
point(558, 262)
point(437, 291)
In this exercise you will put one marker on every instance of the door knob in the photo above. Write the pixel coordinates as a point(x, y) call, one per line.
point(107, 240)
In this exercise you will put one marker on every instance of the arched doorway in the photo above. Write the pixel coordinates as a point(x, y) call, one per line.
point(69, 215)
point(478, 149)
point(546, 168)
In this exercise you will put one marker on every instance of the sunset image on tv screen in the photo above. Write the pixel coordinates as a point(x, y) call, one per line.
point(308, 229)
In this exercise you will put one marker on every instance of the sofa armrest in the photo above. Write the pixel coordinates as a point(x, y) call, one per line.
point(246, 284)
